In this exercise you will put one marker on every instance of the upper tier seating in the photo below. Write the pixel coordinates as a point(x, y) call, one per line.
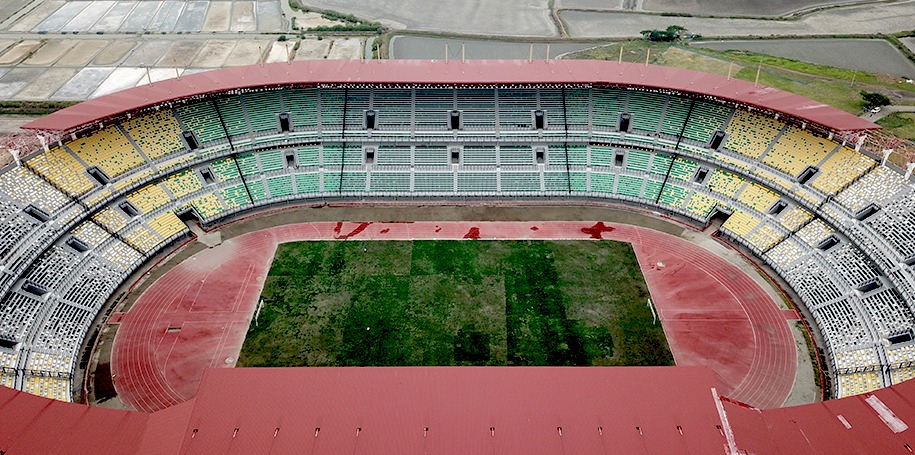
point(841, 169)
point(705, 119)
point(183, 183)
point(149, 198)
point(701, 205)
point(157, 134)
point(757, 197)
point(877, 186)
point(201, 118)
point(644, 109)
point(674, 120)
point(62, 170)
point(858, 383)
point(263, 110)
point(167, 225)
point(741, 223)
point(109, 150)
point(796, 149)
point(751, 134)
point(577, 119)
point(515, 107)
point(725, 183)
point(50, 387)
point(357, 102)
point(395, 108)
point(303, 107)
point(607, 105)
point(232, 114)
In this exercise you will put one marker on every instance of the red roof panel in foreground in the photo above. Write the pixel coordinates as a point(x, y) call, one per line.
point(451, 72)
point(870, 423)
point(463, 410)
point(455, 410)
point(34, 425)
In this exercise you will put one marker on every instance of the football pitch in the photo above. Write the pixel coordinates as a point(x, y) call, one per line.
point(411, 303)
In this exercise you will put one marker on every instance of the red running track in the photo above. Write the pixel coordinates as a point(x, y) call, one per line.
point(196, 315)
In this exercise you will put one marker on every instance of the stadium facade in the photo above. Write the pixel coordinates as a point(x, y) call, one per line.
point(785, 172)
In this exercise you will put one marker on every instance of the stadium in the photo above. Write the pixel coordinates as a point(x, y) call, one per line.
point(118, 182)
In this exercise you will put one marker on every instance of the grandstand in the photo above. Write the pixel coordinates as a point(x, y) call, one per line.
point(835, 225)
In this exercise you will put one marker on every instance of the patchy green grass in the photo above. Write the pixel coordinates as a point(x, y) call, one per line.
point(833, 92)
point(455, 303)
point(901, 124)
point(634, 51)
point(834, 86)
point(32, 107)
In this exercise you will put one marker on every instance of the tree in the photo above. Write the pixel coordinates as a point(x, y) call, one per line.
point(672, 33)
point(675, 29)
point(872, 99)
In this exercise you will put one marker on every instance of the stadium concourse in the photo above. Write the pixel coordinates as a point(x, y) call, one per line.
point(123, 173)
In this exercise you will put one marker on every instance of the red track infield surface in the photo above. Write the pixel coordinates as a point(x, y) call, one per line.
point(196, 315)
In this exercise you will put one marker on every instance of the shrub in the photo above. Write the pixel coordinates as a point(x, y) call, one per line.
point(872, 99)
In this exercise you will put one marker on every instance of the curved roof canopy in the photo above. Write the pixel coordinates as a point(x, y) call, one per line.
point(457, 410)
point(473, 72)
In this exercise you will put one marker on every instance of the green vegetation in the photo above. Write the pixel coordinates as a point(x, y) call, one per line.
point(376, 49)
point(811, 351)
point(455, 303)
point(870, 99)
point(834, 86)
point(341, 17)
point(672, 33)
point(901, 124)
point(32, 107)
point(634, 51)
point(349, 23)
point(373, 27)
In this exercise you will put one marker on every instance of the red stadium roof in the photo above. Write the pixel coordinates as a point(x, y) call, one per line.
point(460, 410)
point(452, 72)
point(467, 410)
point(871, 423)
